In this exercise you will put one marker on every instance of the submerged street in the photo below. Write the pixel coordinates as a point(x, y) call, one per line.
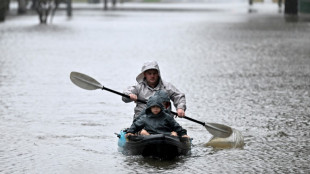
point(250, 71)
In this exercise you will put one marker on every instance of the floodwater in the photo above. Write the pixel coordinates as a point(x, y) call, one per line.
point(250, 71)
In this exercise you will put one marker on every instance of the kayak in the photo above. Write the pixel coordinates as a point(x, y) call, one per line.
point(156, 145)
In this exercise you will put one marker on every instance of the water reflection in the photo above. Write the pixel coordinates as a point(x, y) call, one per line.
point(158, 164)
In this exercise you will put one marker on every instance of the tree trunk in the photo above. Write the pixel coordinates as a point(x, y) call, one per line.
point(291, 7)
point(105, 4)
point(4, 5)
point(22, 6)
point(69, 8)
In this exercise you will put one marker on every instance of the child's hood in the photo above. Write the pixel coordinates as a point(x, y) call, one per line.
point(154, 101)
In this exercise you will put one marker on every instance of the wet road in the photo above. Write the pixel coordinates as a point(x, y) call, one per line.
point(248, 71)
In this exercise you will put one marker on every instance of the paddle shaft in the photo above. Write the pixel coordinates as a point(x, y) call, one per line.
point(89, 83)
point(142, 101)
point(121, 94)
point(191, 119)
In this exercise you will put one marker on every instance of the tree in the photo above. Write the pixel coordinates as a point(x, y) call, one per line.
point(4, 6)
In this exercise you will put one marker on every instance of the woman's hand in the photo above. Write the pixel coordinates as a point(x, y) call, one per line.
point(181, 112)
point(133, 97)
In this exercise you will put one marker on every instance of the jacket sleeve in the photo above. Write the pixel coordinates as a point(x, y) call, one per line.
point(140, 115)
point(130, 90)
point(176, 127)
point(137, 125)
point(176, 96)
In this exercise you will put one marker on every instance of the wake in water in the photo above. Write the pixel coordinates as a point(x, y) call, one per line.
point(235, 140)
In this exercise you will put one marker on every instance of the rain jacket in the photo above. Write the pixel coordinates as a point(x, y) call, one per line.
point(162, 123)
point(144, 91)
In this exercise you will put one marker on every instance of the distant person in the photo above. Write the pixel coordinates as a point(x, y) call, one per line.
point(156, 121)
point(150, 81)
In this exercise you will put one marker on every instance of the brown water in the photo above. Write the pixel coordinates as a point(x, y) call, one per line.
point(248, 71)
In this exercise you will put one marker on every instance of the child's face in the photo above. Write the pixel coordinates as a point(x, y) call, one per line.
point(155, 110)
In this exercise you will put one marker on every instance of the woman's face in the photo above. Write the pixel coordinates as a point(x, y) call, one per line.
point(155, 110)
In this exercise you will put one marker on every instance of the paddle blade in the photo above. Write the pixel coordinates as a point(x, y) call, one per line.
point(235, 140)
point(84, 81)
point(218, 130)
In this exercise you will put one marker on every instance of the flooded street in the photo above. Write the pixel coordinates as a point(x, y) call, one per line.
point(250, 71)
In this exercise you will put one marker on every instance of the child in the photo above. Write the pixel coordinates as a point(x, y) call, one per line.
point(156, 121)
point(163, 96)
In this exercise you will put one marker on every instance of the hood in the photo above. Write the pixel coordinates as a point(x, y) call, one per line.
point(146, 66)
point(154, 101)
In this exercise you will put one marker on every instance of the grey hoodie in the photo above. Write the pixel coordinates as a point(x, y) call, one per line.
point(144, 91)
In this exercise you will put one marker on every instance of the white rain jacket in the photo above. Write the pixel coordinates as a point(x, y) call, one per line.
point(144, 92)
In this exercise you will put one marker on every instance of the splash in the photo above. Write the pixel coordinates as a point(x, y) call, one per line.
point(235, 140)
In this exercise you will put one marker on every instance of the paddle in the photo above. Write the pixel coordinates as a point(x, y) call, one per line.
point(88, 83)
